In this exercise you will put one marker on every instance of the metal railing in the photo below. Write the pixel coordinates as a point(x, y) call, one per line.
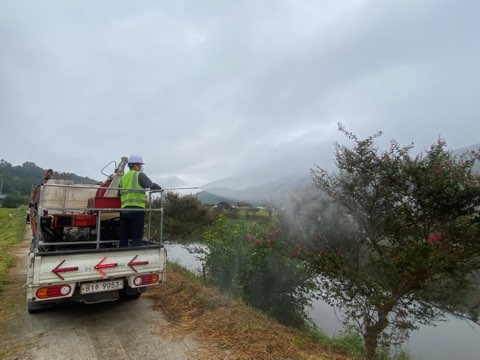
point(42, 209)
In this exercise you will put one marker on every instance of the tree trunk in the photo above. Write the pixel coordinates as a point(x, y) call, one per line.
point(371, 342)
point(373, 332)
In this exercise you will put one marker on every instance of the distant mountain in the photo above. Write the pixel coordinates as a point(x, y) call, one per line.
point(266, 187)
point(21, 179)
point(474, 147)
point(468, 149)
point(207, 197)
point(275, 179)
point(272, 192)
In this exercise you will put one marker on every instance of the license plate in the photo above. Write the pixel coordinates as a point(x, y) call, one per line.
point(101, 286)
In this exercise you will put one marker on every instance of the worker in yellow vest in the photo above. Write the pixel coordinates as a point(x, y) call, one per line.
point(132, 196)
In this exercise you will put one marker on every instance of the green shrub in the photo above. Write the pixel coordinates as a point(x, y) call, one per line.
point(13, 201)
point(254, 262)
point(184, 215)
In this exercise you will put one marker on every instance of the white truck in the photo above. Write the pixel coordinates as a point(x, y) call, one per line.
point(74, 255)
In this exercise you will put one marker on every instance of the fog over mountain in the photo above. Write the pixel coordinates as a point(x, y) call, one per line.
point(271, 185)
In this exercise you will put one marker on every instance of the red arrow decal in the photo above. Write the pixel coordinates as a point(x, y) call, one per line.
point(132, 263)
point(58, 269)
point(101, 266)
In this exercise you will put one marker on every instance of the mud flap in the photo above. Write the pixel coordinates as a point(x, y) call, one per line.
point(131, 293)
point(34, 307)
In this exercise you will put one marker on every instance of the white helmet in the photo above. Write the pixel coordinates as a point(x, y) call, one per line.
point(135, 159)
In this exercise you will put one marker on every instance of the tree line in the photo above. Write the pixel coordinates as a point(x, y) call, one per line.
point(18, 181)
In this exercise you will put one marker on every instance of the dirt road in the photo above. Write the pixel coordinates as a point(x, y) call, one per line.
point(116, 330)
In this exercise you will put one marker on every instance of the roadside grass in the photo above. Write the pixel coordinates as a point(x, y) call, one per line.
point(347, 343)
point(12, 225)
point(235, 330)
point(241, 332)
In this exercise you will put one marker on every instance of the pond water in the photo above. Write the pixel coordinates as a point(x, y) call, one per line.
point(453, 339)
point(186, 255)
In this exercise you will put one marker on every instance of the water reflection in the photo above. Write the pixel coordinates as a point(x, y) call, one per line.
point(189, 256)
point(325, 317)
point(453, 339)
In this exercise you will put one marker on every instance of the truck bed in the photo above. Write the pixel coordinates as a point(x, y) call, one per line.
point(75, 253)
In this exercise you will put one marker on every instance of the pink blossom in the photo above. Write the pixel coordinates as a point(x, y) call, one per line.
point(273, 235)
point(260, 242)
point(295, 252)
point(249, 237)
point(434, 238)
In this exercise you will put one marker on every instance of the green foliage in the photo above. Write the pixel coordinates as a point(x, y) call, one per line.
point(250, 213)
point(184, 215)
point(15, 200)
point(395, 237)
point(19, 180)
point(12, 225)
point(254, 263)
point(349, 342)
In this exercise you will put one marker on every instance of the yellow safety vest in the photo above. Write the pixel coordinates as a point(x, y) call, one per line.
point(131, 193)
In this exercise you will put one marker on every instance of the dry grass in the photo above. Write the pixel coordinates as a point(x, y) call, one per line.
point(234, 330)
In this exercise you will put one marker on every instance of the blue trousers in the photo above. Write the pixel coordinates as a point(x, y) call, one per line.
point(131, 227)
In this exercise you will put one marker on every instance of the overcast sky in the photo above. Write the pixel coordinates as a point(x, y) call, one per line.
point(208, 89)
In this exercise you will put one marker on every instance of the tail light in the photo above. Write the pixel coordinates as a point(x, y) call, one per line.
point(53, 291)
point(146, 280)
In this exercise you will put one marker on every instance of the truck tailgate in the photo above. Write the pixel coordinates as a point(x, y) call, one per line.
point(96, 265)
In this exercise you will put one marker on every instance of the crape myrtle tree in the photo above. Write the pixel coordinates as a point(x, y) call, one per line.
point(395, 238)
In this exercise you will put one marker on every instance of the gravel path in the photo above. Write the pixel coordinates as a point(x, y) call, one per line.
point(115, 330)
